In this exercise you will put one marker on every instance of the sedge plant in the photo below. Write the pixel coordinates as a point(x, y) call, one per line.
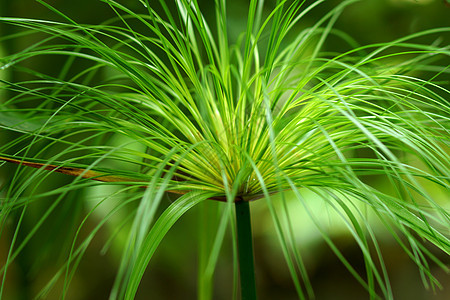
point(189, 111)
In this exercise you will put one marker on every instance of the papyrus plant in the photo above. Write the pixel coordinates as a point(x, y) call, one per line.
point(188, 110)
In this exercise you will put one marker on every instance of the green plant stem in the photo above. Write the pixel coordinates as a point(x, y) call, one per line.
point(245, 251)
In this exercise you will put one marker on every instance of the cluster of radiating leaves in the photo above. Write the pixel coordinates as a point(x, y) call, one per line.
point(198, 115)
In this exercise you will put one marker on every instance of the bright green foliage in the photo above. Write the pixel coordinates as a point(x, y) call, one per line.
point(198, 115)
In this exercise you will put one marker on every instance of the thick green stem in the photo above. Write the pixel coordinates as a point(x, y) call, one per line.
point(245, 250)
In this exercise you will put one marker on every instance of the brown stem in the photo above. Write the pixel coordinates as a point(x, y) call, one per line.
point(94, 175)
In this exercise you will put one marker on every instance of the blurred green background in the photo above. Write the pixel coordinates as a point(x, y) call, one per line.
point(172, 273)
